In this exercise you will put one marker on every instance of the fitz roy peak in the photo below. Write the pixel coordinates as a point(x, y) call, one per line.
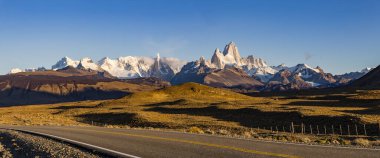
point(231, 54)
point(227, 69)
point(255, 67)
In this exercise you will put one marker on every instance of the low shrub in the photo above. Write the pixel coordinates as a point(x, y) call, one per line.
point(376, 143)
point(223, 132)
point(210, 131)
point(247, 134)
point(361, 142)
point(196, 130)
point(345, 142)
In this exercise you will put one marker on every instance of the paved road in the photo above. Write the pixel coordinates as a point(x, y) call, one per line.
point(147, 143)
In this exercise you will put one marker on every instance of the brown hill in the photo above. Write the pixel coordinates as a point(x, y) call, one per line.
point(68, 84)
point(231, 78)
point(285, 80)
point(200, 72)
point(371, 80)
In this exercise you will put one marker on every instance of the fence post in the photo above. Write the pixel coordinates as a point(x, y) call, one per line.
point(325, 129)
point(332, 129)
point(258, 129)
point(292, 127)
point(348, 130)
point(276, 129)
point(271, 129)
point(304, 128)
point(341, 131)
point(311, 129)
point(365, 130)
point(283, 129)
point(356, 129)
point(301, 128)
point(317, 130)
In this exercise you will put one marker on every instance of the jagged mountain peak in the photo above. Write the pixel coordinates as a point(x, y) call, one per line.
point(158, 57)
point(366, 70)
point(231, 44)
point(231, 54)
point(202, 61)
point(104, 60)
point(64, 62)
point(301, 67)
point(161, 69)
point(66, 58)
point(218, 59)
point(254, 62)
point(88, 64)
point(217, 50)
point(157, 61)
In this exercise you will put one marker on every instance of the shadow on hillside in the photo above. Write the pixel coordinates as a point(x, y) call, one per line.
point(62, 109)
point(368, 111)
point(18, 96)
point(336, 101)
point(72, 107)
point(176, 102)
point(130, 119)
point(252, 117)
point(292, 94)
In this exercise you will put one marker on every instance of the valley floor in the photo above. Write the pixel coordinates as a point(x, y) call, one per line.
point(201, 109)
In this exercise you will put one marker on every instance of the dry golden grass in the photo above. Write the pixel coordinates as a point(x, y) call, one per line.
point(194, 105)
point(361, 142)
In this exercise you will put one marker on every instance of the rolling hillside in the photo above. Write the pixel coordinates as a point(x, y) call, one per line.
point(68, 84)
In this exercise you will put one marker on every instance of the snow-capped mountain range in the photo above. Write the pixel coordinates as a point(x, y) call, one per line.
point(128, 66)
point(168, 68)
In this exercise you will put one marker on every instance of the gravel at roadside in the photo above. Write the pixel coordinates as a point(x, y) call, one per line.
point(17, 144)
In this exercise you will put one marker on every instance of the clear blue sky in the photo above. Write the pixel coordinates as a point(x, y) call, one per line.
point(338, 35)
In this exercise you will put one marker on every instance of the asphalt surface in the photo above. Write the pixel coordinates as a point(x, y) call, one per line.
point(148, 143)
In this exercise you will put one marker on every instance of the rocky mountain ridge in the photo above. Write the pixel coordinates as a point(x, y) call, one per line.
point(221, 63)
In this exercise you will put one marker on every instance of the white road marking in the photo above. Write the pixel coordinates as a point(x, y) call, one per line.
point(80, 144)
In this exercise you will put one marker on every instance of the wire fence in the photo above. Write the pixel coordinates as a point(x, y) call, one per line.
point(312, 129)
point(326, 129)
